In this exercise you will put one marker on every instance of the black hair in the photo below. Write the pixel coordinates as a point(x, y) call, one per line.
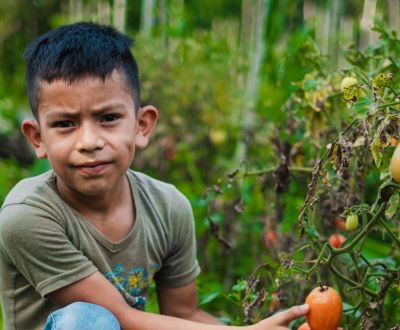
point(75, 51)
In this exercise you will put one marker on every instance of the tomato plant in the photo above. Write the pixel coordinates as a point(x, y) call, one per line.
point(326, 309)
point(335, 149)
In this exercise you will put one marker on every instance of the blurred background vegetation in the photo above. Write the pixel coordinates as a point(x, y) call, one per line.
point(220, 72)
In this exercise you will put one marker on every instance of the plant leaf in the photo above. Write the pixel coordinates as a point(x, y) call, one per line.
point(353, 93)
point(387, 128)
point(392, 206)
point(365, 107)
point(340, 154)
point(380, 82)
point(312, 232)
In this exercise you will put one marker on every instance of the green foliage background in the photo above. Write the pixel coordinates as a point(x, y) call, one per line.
point(195, 67)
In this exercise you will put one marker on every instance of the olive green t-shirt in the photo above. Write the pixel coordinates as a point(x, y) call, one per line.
point(45, 245)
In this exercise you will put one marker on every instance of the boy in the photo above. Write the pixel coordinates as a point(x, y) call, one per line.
point(92, 234)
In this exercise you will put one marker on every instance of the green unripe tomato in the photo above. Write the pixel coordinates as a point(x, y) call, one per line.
point(352, 222)
point(347, 82)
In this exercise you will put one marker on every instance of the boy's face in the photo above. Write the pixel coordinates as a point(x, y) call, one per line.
point(88, 131)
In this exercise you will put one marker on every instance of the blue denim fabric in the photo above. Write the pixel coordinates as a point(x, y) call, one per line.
point(81, 315)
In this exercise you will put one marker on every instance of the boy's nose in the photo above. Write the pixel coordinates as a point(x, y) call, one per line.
point(89, 138)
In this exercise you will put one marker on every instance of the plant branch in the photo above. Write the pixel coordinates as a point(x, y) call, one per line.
point(273, 169)
point(385, 105)
point(390, 233)
point(349, 281)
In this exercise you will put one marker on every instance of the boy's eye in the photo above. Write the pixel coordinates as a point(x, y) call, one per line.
point(63, 124)
point(110, 118)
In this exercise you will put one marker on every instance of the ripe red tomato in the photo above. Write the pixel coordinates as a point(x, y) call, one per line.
point(326, 309)
point(336, 240)
point(304, 326)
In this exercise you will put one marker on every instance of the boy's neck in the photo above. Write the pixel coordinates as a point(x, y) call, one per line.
point(97, 207)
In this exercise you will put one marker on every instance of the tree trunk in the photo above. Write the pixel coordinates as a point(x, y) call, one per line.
point(257, 52)
point(322, 28)
point(147, 19)
point(119, 14)
point(162, 22)
point(75, 10)
point(103, 9)
point(394, 14)
point(368, 37)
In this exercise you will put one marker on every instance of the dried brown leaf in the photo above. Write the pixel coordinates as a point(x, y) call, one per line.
point(384, 285)
point(218, 190)
point(367, 322)
point(340, 154)
point(389, 127)
point(214, 230)
point(239, 207)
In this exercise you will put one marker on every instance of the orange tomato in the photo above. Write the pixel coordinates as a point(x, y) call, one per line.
point(340, 223)
point(326, 309)
point(394, 142)
point(268, 238)
point(271, 236)
point(336, 240)
point(274, 304)
point(304, 326)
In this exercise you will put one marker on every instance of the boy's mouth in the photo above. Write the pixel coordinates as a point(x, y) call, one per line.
point(92, 167)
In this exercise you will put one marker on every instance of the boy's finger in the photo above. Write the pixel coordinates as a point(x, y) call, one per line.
point(284, 318)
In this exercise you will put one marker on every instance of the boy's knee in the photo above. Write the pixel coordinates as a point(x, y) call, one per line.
point(82, 315)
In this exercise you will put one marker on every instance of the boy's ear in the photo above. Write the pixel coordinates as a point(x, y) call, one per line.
point(31, 130)
point(146, 121)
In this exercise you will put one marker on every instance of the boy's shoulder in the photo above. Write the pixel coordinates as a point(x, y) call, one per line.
point(148, 185)
point(29, 187)
point(147, 182)
point(159, 193)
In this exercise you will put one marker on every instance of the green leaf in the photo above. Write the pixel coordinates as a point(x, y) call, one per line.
point(364, 107)
point(312, 232)
point(349, 310)
point(210, 297)
point(224, 319)
point(239, 287)
point(392, 206)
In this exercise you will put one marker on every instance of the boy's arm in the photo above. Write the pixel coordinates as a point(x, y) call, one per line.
point(183, 303)
point(96, 289)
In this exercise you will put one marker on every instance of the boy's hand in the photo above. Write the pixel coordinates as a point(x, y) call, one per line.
point(280, 321)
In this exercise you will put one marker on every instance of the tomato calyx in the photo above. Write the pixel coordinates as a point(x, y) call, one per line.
point(322, 289)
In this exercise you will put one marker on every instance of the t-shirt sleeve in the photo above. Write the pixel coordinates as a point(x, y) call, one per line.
point(180, 266)
point(38, 246)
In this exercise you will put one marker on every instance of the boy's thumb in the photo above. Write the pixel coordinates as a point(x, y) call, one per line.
point(284, 318)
